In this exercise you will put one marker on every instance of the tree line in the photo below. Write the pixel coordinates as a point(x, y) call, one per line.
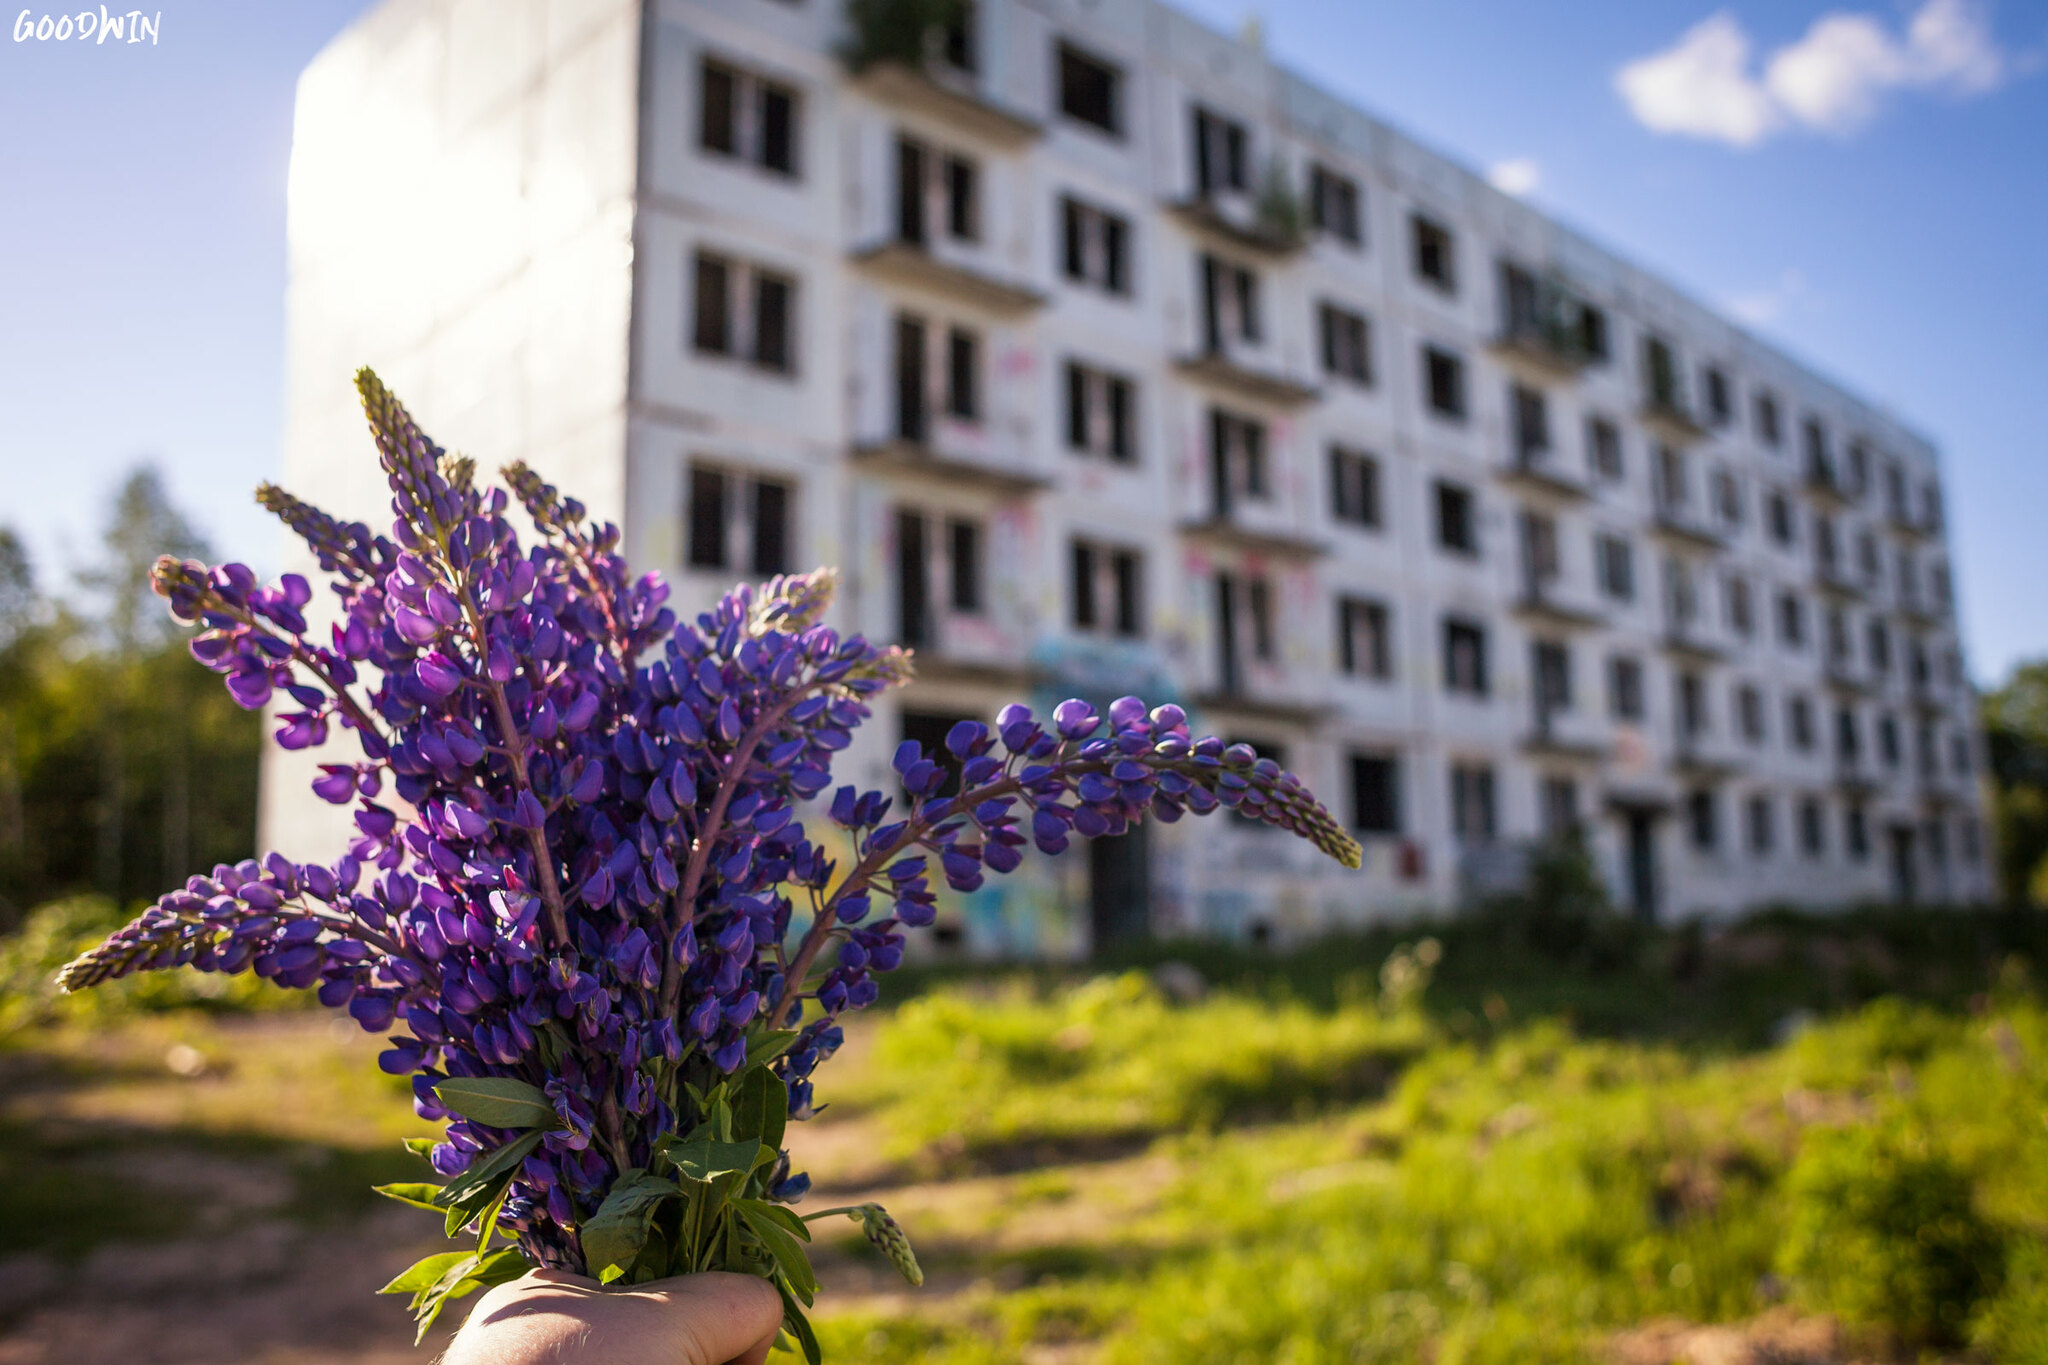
point(124, 767)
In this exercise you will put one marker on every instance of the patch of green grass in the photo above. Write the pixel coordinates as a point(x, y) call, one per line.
point(1515, 1197)
point(1114, 1059)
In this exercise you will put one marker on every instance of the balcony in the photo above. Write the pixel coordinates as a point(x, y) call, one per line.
point(1547, 602)
point(950, 97)
point(1856, 775)
point(1701, 755)
point(1842, 676)
point(906, 263)
point(1229, 531)
point(1273, 223)
point(897, 54)
point(1902, 521)
point(1244, 379)
point(1689, 529)
point(1566, 735)
point(1832, 577)
point(954, 467)
point(1539, 469)
point(1824, 484)
point(1256, 703)
point(1689, 641)
point(1928, 697)
point(1669, 419)
point(1918, 611)
point(1549, 346)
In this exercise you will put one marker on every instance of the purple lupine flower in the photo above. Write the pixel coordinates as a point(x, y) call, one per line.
point(590, 880)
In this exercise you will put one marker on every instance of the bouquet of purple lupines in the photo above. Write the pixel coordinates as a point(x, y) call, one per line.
point(580, 895)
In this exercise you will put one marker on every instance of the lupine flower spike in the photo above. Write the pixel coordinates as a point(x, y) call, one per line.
point(580, 896)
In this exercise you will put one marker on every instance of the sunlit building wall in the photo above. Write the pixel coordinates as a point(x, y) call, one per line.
point(1104, 355)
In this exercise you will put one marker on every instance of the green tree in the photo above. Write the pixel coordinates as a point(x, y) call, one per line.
point(2016, 733)
point(124, 767)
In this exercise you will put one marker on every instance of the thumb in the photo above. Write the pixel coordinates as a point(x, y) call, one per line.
point(720, 1318)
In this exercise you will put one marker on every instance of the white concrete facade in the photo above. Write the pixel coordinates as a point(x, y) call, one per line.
point(517, 212)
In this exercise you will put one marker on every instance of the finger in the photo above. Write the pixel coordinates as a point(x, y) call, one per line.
point(727, 1319)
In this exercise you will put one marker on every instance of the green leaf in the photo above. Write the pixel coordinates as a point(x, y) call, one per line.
point(613, 1236)
point(465, 1278)
point(499, 1101)
point(762, 1109)
point(799, 1327)
point(423, 1148)
point(703, 1159)
point(788, 1252)
point(419, 1194)
point(764, 1046)
point(489, 1172)
point(424, 1273)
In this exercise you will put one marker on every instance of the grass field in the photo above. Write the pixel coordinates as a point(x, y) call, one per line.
point(1827, 1136)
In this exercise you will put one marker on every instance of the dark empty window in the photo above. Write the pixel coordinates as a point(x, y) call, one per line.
point(1089, 89)
point(1603, 448)
point(737, 522)
point(1457, 519)
point(769, 320)
point(1464, 657)
point(1791, 620)
point(1778, 510)
point(1230, 304)
point(778, 129)
point(1812, 833)
point(718, 122)
point(916, 623)
point(1762, 826)
point(1767, 419)
point(1625, 687)
point(770, 527)
point(1347, 353)
point(711, 329)
point(1364, 643)
point(772, 306)
point(1702, 820)
point(1720, 407)
point(1433, 253)
point(1532, 420)
point(963, 375)
point(1799, 723)
point(963, 202)
point(1094, 246)
point(912, 422)
point(1333, 205)
point(745, 116)
point(1100, 413)
point(1106, 587)
point(964, 564)
point(1375, 794)
point(1551, 663)
point(1444, 382)
point(1614, 567)
point(1237, 460)
point(707, 519)
point(1472, 809)
point(1259, 605)
point(1220, 159)
point(1354, 487)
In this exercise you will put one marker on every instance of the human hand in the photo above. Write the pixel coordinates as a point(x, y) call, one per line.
point(552, 1318)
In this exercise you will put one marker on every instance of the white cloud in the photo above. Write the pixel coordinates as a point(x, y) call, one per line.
point(1833, 79)
point(1760, 307)
point(1700, 86)
point(1519, 176)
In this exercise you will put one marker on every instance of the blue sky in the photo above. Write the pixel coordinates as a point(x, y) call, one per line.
point(1867, 184)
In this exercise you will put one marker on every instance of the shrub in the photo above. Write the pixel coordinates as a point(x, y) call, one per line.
point(1881, 1229)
